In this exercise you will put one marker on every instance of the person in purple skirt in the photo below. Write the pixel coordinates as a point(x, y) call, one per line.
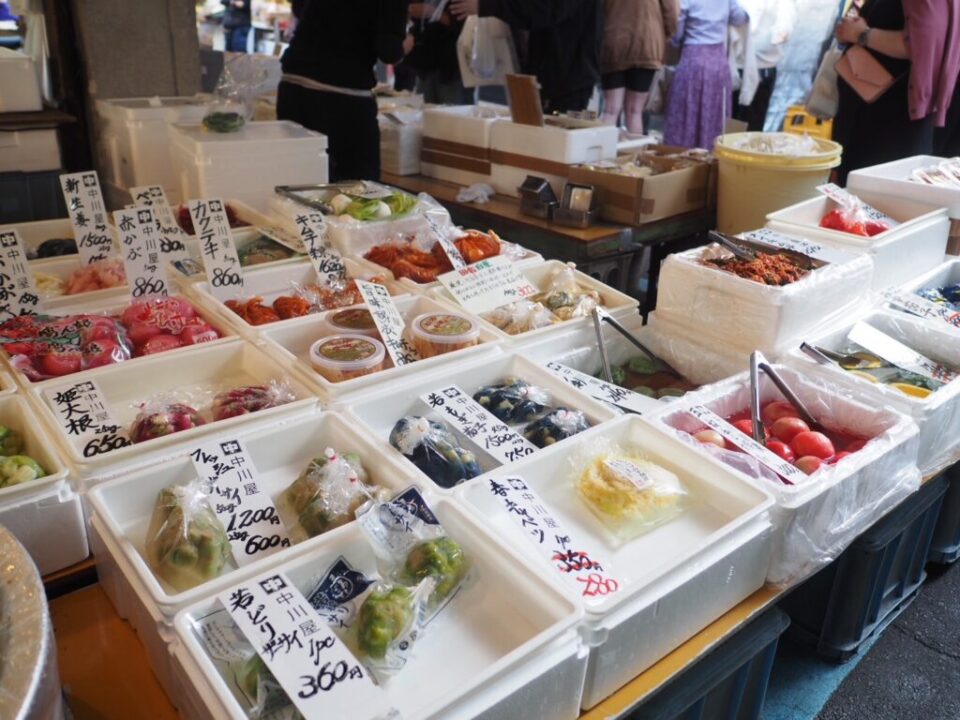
point(701, 96)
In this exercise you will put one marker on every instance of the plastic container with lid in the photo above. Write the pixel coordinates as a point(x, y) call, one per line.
point(343, 357)
point(352, 321)
point(439, 333)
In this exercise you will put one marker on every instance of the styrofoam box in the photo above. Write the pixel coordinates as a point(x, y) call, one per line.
point(453, 175)
point(270, 283)
point(937, 416)
point(817, 519)
point(135, 139)
point(464, 124)
point(506, 180)
point(500, 622)
point(64, 267)
point(675, 579)
point(114, 305)
point(619, 305)
point(35, 232)
point(247, 164)
point(945, 274)
point(380, 409)
point(911, 248)
point(726, 308)
point(45, 514)
point(893, 178)
point(194, 377)
point(29, 150)
point(123, 507)
point(19, 83)
point(291, 342)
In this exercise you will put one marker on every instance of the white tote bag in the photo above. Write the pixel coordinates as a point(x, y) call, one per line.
point(486, 52)
point(824, 96)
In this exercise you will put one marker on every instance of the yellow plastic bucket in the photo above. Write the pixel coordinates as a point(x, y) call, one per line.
point(753, 184)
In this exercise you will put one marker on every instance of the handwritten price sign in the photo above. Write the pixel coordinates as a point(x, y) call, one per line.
point(217, 249)
point(488, 284)
point(88, 215)
point(85, 416)
point(140, 245)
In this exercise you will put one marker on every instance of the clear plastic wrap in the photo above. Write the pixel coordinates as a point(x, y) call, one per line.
point(520, 317)
point(721, 308)
point(514, 401)
point(435, 450)
point(243, 79)
point(161, 324)
point(937, 414)
point(248, 399)
point(100, 275)
point(852, 217)
point(566, 298)
point(557, 425)
point(628, 493)
point(327, 494)
point(186, 544)
point(157, 419)
point(778, 143)
point(817, 519)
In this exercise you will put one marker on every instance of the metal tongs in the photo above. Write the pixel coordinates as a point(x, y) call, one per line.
point(820, 355)
point(759, 363)
point(747, 250)
point(600, 316)
point(291, 192)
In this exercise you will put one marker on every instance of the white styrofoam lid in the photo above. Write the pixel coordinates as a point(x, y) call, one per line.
point(281, 131)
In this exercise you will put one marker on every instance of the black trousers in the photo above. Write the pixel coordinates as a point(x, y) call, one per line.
point(755, 114)
point(350, 124)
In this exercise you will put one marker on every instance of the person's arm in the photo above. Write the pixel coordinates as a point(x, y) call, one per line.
point(891, 43)
point(391, 30)
point(670, 10)
point(677, 40)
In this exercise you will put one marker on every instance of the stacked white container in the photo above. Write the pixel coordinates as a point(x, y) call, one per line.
point(24, 150)
point(456, 142)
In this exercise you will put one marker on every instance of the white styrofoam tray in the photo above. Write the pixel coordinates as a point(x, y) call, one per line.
point(464, 124)
point(816, 520)
point(620, 305)
point(17, 415)
point(35, 232)
point(561, 140)
point(911, 248)
point(192, 378)
point(291, 345)
point(380, 409)
point(499, 623)
point(727, 309)
point(19, 83)
point(675, 579)
point(937, 416)
point(893, 178)
point(945, 274)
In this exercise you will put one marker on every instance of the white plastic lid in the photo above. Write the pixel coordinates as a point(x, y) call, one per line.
point(347, 353)
point(445, 328)
point(352, 321)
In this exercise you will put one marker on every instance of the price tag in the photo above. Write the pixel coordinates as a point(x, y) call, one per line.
point(898, 354)
point(246, 511)
point(88, 215)
point(18, 293)
point(86, 418)
point(922, 307)
point(312, 665)
point(846, 199)
point(326, 261)
point(140, 245)
point(640, 479)
point(487, 284)
point(788, 471)
point(389, 322)
point(563, 551)
point(602, 390)
point(217, 249)
point(173, 246)
point(456, 259)
point(373, 192)
point(814, 250)
point(481, 426)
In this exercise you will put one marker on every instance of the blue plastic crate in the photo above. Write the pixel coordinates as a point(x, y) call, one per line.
point(945, 548)
point(729, 683)
point(876, 578)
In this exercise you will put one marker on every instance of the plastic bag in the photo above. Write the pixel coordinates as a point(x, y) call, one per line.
point(483, 58)
point(157, 419)
point(824, 98)
point(566, 298)
point(559, 425)
point(852, 217)
point(162, 324)
point(486, 52)
point(628, 494)
point(431, 446)
point(186, 544)
point(242, 81)
point(100, 275)
point(514, 401)
point(327, 493)
point(520, 317)
point(250, 398)
point(479, 193)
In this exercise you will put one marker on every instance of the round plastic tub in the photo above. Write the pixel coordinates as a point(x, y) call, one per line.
point(352, 321)
point(342, 357)
point(439, 333)
point(753, 184)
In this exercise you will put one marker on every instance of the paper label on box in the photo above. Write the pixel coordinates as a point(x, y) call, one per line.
point(898, 354)
point(173, 247)
point(600, 389)
point(326, 261)
point(229, 476)
point(482, 427)
point(846, 199)
point(84, 415)
point(312, 665)
point(374, 193)
point(788, 471)
point(811, 249)
point(922, 307)
point(140, 248)
point(217, 250)
point(389, 322)
point(88, 215)
point(18, 293)
point(456, 259)
point(488, 284)
point(563, 551)
point(631, 472)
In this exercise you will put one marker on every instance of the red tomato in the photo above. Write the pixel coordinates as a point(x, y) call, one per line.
point(139, 332)
point(61, 362)
point(159, 344)
point(812, 443)
point(102, 352)
point(772, 412)
point(809, 464)
point(746, 427)
point(781, 449)
point(711, 437)
point(787, 428)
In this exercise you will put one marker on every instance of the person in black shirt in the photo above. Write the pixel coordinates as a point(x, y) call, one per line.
point(237, 24)
point(328, 76)
point(564, 44)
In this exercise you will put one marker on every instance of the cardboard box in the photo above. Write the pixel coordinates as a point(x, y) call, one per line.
point(637, 201)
